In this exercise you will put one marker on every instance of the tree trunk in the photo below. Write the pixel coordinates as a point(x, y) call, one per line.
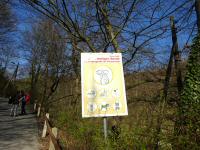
point(177, 63)
point(34, 79)
point(197, 9)
point(177, 57)
point(14, 76)
point(45, 84)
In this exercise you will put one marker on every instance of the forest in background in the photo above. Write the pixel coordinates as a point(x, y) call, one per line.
point(161, 66)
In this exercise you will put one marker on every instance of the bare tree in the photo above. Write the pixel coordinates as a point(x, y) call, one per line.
point(7, 26)
point(124, 25)
point(7, 21)
point(46, 56)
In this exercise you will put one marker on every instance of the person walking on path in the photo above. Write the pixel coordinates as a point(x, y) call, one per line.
point(23, 100)
point(28, 98)
point(15, 104)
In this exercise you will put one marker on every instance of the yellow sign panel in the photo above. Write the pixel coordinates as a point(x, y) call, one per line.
point(103, 88)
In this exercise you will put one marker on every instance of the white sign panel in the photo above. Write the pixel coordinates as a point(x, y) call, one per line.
point(103, 88)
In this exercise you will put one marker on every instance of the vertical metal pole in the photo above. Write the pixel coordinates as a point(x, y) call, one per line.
point(105, 127)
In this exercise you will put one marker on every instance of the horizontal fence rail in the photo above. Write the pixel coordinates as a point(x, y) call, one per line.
point(47, 128)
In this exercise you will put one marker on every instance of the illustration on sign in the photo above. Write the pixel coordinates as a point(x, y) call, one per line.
point(103, 75)
point(103, 88)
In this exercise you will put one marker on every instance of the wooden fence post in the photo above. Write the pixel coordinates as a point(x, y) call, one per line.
point(44, 131)
point(39, 109)
point(35, 105)
point(55, 133)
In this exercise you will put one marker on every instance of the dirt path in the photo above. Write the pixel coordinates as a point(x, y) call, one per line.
point(17, 133)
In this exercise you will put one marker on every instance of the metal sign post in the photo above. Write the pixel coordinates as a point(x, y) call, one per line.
point(105, 127)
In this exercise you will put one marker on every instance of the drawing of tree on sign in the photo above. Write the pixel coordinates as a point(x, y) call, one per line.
point(103, 75)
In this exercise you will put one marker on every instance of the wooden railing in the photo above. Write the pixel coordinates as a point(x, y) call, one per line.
point(53, 131)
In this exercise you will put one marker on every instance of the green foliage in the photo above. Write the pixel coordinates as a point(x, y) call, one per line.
point(189, 110)
point(88, 133)
point(85, 134)
point(128, 139)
